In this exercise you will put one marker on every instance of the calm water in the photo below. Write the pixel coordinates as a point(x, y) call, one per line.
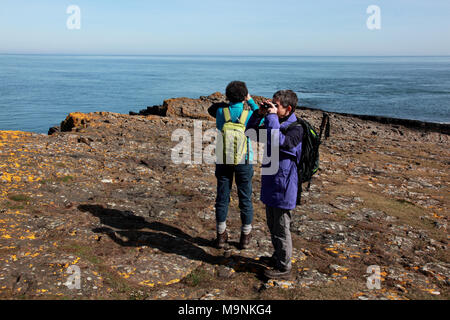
point(38, 91)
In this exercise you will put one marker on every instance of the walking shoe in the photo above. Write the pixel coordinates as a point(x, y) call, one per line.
point(221, 239)
point(268, 261)
point(244, 243)
point(278, 274)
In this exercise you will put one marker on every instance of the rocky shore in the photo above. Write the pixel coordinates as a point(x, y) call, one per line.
point(101, 193)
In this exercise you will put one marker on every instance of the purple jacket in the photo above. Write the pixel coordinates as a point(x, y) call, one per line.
point(280, 190)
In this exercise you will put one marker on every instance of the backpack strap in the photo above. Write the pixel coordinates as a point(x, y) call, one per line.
point(325, 125)
point(227, 114)
point(242, 121)
point(300, 190)
point(290, 126)
point(243, 117)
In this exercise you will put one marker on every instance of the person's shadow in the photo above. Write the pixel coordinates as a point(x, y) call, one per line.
point(128, 230)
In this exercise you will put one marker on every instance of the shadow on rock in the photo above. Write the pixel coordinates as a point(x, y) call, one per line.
point(128, 230)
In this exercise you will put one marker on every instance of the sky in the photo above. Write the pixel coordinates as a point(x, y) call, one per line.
point(231, 27)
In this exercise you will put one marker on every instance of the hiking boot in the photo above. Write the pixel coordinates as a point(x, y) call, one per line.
point(278, 274)
point(221, 239)
point(268, 261)
point(244, 243)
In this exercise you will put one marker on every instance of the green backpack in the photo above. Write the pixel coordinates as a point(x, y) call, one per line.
point(308, 164)
point(235, 142)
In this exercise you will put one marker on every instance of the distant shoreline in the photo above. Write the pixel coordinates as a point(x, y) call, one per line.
point(419, 125)
point(204, 101)
point(443, 127)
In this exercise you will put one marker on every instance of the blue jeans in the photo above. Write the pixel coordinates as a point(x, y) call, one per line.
point(243, 174)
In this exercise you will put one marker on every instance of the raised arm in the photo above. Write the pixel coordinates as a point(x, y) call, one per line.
point(254, 121)
point(251, 103)
point(212, 111)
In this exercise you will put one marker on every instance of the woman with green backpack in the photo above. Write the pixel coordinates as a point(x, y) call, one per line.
point(234, 160)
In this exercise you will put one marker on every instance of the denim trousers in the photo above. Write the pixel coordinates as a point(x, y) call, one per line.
point(243, 173)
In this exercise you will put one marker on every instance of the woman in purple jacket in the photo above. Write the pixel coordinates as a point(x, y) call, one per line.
point(279, 188)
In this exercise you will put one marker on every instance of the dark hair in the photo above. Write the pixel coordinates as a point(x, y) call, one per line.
point(236, 91)
point(287, 98)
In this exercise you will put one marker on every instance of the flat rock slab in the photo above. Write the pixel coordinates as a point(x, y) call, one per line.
point(106, 197)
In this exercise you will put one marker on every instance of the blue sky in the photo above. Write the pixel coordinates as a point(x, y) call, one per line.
point(231, 27)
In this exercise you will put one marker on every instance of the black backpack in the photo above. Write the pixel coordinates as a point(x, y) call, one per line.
point(308, 164)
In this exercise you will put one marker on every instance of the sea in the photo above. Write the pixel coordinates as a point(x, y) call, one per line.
point(39, 91)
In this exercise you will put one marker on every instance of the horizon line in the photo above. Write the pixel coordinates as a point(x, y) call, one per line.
point(206, 55)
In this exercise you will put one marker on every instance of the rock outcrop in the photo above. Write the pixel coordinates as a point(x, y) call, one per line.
point(188, 107)
point(75, 120)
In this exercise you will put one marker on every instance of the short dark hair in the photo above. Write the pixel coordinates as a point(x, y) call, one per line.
point(236, 91)
point(287, 98)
